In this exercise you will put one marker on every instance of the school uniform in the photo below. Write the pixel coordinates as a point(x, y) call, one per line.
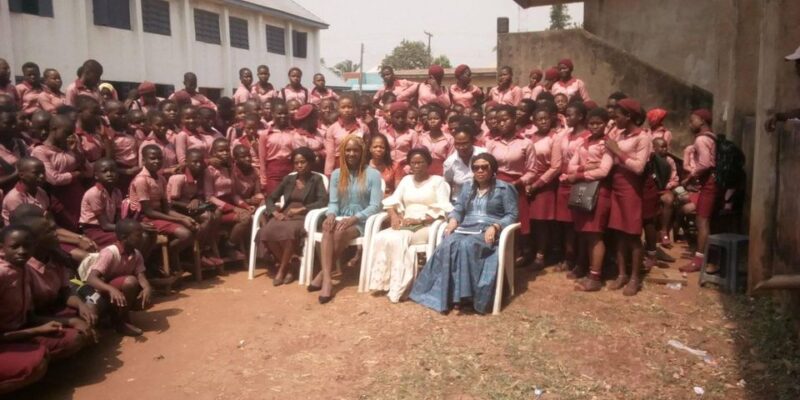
point(115, 264)
point(333, 139)
point(47, 280)
point(546, 168)
point(78, 88)
point(95, 202)
point(263, 95)
point(68, 190)
point(515, 160)
point(704, 159)
point(426, 95)
point(573, 89)
point(252, 145)
point(11, 90)
point(289, 93)
point(440, 149)
point(218, 190)
point(532, 93)
point(467, 97)
point(126, 154)
point(403, 89)
point(314, 141)
point(29, 97)
point(19, 195)
point(317, 96)
point(185, 187)
point(245, 186)
point(186, 140)
point(627, 181)
point(528, 131)
point(138, 104)
point(569, 146)
point(662, 133)
point(90, 144)
point(50, 101)
point(593, 151)
point(198, 100)
point(274, 151)
point(10, 155)
point(146, 187)
point(242, 94)
point(510, 96)
point(400, 144)
point(169, 156)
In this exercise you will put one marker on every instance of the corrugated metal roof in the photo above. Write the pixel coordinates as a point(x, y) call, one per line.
point(284, 9)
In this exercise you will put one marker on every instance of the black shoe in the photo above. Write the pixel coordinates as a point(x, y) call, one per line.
point(662, 255)
point(325, 299)
point(312, 288)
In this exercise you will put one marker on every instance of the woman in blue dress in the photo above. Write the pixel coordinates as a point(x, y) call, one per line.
point(463, 267)
point(355, 194)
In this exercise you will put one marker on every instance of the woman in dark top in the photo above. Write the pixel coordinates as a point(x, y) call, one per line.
point(301, 192)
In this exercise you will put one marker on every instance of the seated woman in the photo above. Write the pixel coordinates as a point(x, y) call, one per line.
point(301, 192)
point(419, 199)
point(355, 195)
point(464, 266)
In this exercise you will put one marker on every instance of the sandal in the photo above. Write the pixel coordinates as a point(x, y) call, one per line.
point(619, 283)
point(288, 278)
point(632, 288)
point(588, 285)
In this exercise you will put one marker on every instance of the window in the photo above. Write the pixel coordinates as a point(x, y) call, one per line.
point(112, 13)
point(299, 44)
point(239, 37)
point(206, 26)
point(275, 40)
point(155, 17)
point(42, 8)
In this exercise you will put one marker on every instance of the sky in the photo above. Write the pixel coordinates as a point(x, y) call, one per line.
point(464, 30)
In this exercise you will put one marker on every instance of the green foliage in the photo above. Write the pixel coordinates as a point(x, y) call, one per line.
point(345, 66)
point(443, 61)
point(559, 17)
point(408, 55)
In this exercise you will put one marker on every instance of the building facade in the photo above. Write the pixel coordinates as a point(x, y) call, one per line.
point(159, 40)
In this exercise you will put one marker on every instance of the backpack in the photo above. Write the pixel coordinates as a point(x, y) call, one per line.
point(86, 265)
point(660, 169)
point(730, 163)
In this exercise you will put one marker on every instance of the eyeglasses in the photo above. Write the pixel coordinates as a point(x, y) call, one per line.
point(480, 167)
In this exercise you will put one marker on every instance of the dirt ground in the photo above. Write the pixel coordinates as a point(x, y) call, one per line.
point(231, 338)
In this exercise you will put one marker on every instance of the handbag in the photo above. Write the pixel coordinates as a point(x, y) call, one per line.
point(583, 195)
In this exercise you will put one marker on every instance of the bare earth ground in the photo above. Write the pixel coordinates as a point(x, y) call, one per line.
point(230, 338)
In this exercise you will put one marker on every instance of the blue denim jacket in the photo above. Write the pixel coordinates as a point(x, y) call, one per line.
point(498, 207)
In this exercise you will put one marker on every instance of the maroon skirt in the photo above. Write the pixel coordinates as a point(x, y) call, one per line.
point(70, 197)
point(57, 343)
point(19, 361)
point(99, 236)
point(563, 212)
point(707, 197)
point(522, 204)
point(595, 221)
point(651, 199)
point(626, 201)
point(543, 203)
point(163, 227)
point(276, 170)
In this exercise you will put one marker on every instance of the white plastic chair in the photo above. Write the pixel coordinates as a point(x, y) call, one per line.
point(312, 225)
point(427, 248)
point(505, 261)
point(251, 264)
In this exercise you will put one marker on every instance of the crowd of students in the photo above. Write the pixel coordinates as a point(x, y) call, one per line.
point(90, 179)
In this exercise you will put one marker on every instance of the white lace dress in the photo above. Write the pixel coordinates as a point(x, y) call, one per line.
point(393, 265)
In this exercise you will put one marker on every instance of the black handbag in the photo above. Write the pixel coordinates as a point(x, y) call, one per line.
point(583, 195)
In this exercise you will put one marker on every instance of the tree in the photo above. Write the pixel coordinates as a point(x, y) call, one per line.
point(443, 61)
point(408, 55)
point(559, 17)
point(345, 66)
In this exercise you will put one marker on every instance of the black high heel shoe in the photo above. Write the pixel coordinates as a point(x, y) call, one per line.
point(325, 299)
point(312, 288)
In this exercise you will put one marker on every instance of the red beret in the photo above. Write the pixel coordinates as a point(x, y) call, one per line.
point(567, 62)
point(536, 71)
point(303, 112)
point(656, 116)
point(551, 74)
point(631, 106)
point(398, 106)
point(436, 71)
point(461, 69)
point(704, 114)
point(182, 96)
point(146, 87)
point(590, 104)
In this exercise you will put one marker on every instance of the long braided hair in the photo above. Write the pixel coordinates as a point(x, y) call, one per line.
point(492, 182)
point(344, 169)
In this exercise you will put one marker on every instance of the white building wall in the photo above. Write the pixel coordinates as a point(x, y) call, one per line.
point(65, 41)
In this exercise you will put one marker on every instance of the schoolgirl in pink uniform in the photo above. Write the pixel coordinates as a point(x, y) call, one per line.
point(404, 90)
point(6, 85)
point(591, 161)
point(147, 101)
point(263, 91)
point(572, 87)
point(218, 187)
point(525, 126)
point(275, 145)
point(306, 134)
point(320, 91)
point(346, 125)
point(30, 88)
point(630, 145)
point(100, 204)
point(244, 91)
point(401, 138)
point(432, 91)
point(249, 140)
point(434, 139)
point(532, 90)
point(190, 93)
point(157, 126)
point(125, 146)
point(87, 84)
point(51, 96)
point(91, 130)
point(190, 135)
point(295, 90)
point(506, 92)
point(463, 92)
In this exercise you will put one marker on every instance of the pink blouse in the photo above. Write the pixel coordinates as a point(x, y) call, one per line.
point(572, 89)
point(97, 201)
point(427, 95)
point(91, 145)
point(515, 157)
point(570, 144)
point(400, 143)
point(663, 133)
point(313, 140)
point(333, 139)
point(58, 164)
point(245, 186)
point(263, 95)
point(125, 149)
point(184, 187)
point(510, 96)
point(167, 150)
point(252, 145)
point(218, 186)
point(50, 101)
point(636, 147)
point(241, 94)
point(29, 96)
point(186, 140)
point(289, 93)
point(145, 187)
point(46, 282)
point(705, 151)
point(403, 89)
point(547, 165)
point(688, 159)
point(466, 97)
point(591, 151)
point(317, 97)
point(440, 147)
point(532, 93)
point(77, 88)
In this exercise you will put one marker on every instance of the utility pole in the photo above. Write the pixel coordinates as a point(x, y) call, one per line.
point(361, 70)
point(429, 43)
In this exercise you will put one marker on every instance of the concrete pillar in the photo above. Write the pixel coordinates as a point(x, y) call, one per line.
point(137, 27)
point(317, 54)
point(188, 41)
point(260, 43)
point(765, 154)
point(225, 33)
point(289, 40)
point(7, 44)
point(83, 43)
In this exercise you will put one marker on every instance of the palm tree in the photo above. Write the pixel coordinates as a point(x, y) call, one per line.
point(345, 66)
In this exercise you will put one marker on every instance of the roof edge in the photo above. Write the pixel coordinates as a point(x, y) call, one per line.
point(278, 13)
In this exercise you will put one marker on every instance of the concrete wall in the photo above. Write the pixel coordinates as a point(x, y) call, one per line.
point(685, 46)
point(604, 69)
point(65, 41)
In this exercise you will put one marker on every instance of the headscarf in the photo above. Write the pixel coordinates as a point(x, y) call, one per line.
point(460, 70)
point(146, 87)
point(633, 107)
point(436, 71)
point(704, 114)
point(656, 116)
point(303, 112)
point(567, 62)
point(551, 74)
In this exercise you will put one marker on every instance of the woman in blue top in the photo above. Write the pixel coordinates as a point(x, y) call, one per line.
point(464, 266)
point(355, 194)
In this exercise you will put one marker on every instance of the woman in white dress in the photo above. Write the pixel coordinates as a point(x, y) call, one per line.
point(418, 200)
